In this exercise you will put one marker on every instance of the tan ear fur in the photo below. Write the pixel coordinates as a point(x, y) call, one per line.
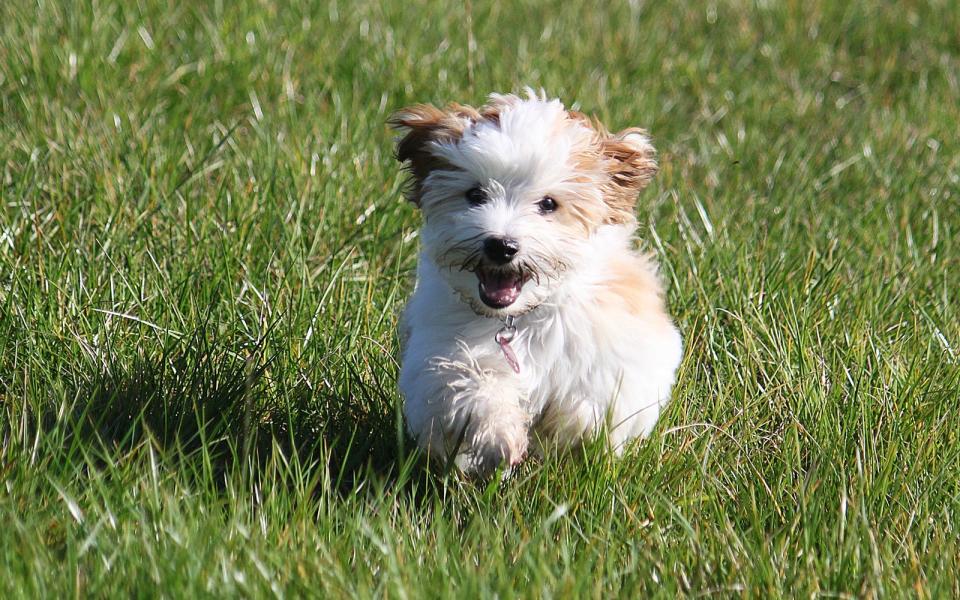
point(631, 165)
point(423, 124)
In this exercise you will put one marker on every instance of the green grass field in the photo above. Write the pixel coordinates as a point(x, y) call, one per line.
point(204, 252)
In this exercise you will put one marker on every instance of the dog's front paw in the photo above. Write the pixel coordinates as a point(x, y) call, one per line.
point(490, 450)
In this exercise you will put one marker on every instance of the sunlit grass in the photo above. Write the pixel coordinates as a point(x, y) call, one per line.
point(204, 250)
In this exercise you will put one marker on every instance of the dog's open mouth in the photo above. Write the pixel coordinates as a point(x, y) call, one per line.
point(499, 289)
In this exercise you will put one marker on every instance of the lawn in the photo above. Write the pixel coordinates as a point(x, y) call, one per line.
point(204, 251)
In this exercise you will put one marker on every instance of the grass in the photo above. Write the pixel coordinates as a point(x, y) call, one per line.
point(204, 250)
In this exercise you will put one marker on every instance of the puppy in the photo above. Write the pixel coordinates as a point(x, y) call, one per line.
point(533, 320)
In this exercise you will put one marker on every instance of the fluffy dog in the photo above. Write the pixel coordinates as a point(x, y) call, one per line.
point(533, 321)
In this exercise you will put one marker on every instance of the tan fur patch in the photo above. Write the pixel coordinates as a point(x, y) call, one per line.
point(630, 167)
point(580, 215)
point(425, 123)
point(635, 287)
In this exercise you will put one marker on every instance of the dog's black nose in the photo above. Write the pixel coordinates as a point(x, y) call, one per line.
point(500, 250)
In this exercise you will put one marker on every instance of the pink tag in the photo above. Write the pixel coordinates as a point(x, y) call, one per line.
point(503, 338)
point(509, 355)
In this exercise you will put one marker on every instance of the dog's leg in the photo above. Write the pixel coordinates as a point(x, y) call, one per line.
point(463, 410)
point(498, 430)
point(616, 414)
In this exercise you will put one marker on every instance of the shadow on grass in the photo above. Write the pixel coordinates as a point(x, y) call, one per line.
point(198, 399)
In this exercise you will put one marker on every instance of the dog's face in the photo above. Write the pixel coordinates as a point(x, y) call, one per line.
point(513, 192)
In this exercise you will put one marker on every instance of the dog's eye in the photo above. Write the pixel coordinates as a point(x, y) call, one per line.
point(547, 205)
point(476, 196)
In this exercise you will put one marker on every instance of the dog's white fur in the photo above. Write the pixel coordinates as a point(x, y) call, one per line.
point(597, 351)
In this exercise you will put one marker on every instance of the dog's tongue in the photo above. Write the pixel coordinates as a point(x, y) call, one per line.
point(499, 290)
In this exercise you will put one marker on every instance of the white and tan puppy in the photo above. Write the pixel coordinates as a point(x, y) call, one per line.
point(533, 321)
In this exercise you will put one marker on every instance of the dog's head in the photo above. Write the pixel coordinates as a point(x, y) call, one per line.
point(513, 192)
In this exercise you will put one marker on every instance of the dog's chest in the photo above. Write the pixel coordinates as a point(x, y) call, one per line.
point(566, 357)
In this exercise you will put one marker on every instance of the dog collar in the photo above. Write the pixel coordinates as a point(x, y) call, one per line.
point(503, 339)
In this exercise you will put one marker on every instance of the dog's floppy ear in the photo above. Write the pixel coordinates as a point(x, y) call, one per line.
point(631, 164)
point(421, 125)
